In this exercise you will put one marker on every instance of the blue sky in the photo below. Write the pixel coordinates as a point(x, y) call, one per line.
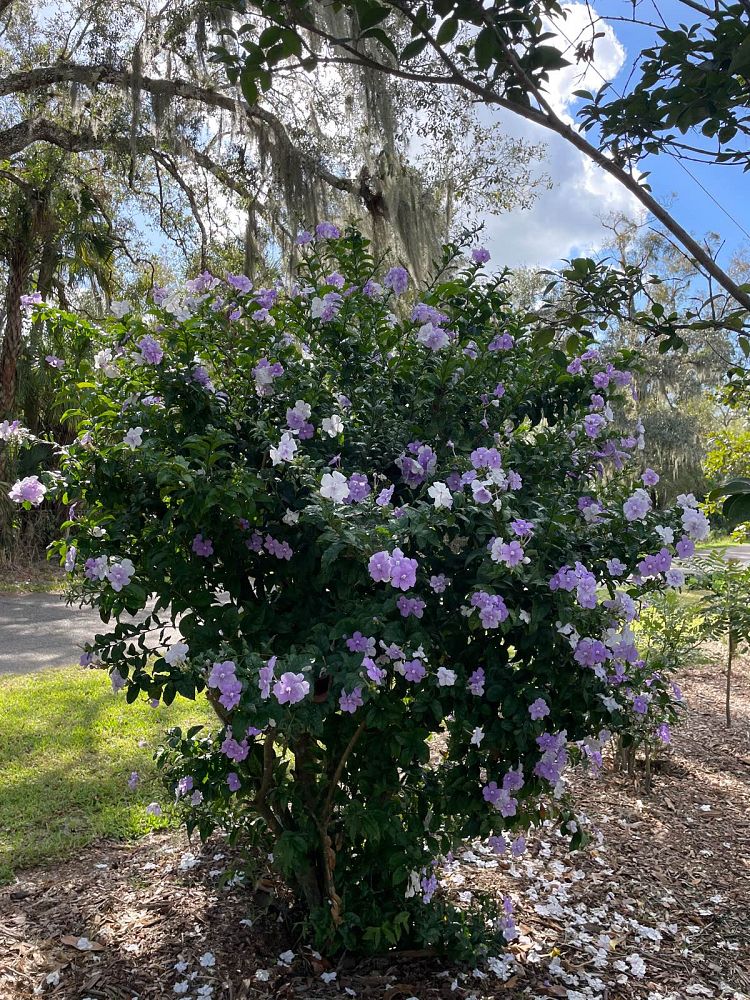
point(670, 182)
point(567, 220)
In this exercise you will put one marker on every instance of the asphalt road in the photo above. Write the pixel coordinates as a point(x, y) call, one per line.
point(38, 631)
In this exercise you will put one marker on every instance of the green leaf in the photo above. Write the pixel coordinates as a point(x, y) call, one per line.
point(412, 49)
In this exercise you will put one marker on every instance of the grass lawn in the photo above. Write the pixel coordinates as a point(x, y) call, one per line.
point(67, 748)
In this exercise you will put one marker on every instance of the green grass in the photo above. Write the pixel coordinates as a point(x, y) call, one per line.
point(32, 587)
point(67, 748)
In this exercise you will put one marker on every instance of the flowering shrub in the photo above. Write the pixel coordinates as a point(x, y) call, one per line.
point(403, 548)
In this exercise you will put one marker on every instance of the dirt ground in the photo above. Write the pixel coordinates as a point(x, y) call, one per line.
point(658, 908)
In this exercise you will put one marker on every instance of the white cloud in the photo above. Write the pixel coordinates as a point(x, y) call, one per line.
point(565, 220)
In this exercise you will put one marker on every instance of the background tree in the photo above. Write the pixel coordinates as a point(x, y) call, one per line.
point(503, 55)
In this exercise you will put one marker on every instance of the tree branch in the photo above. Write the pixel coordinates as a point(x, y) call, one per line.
point(103, 75)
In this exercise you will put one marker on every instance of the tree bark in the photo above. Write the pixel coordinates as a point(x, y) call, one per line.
point(19, 264)
point(732, 645)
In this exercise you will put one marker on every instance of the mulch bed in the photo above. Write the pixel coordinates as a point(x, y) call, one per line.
point(657, 908)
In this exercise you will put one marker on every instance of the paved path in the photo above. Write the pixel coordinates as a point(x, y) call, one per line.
point(739, 552)
point(38, 631)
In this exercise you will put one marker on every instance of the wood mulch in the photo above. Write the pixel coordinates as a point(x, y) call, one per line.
point(658, 908)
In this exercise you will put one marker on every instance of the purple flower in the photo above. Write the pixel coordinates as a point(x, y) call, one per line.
point(397, 279)
point(414, 670)
point(133, 780)
point(538, 709)
point(27, 301)
point(502, 342)
point(54, 362)
point(486, 458)
point(223, 676)
point(663, 732)
point(240, 282)
point(266, 678)
point(291, 688)
point(615, 567)
point(327, 231)
point(492, 609)
point(379, 567)
point(184, 785)
point(429, 886)
point(650, 478)
point(403, 570)
point(439, 583)
point(637, 506)
point(590, 652)
point(202, 547)
point(640, 704)
point(480, 255)
point(375, 673)
point(521, 527)
point(336, 279)
point(150, 349)
point(351, 702)
point(119, 574)
point(498, 844)
point(384, 497)
point(359, 487)
point(28, 490)
point(476, 682)
point(234, 750)
point(327, 307)
point(303, 238)
point(509, 553)
point(410, 606)
point(117, 681)
point(153, 809)
point(234, 782)
point(358, 643)
point(517, 848)
point(685, 547)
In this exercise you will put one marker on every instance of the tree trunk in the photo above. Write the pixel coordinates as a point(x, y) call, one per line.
point(730, 655)
point(18, 276)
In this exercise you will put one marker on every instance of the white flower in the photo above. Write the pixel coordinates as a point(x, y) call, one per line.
point(103, 362)
point(498, 477)
point(291, 516)
point(302, 409)
point(477, 736)
point(133, 437)
point(333, 486)
point(177, 653)
point(120, 309)
point(441, 495)
point(262, 976)
point(666, 534)
point(181, 987)
point(333, 426)
point(446, 677)
point(285, 450)
point(328, 977)
point(637, 965)
point(413, 886)
point(207, 960)
point(286, 957)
